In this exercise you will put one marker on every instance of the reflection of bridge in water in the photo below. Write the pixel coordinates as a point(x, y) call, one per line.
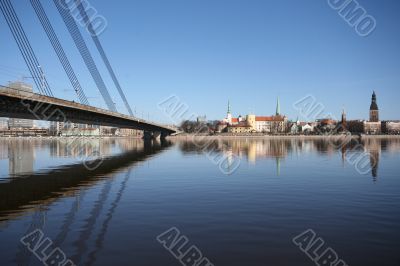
point(41, 189)
point(22, 153)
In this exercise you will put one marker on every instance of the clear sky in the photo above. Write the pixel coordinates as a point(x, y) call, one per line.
point(210, 51)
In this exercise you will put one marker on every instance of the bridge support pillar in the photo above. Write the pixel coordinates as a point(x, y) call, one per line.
point(164, 135)
point(148, 135)
point(154, 135)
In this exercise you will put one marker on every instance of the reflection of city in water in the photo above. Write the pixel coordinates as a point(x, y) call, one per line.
point(22, 153)
point(254, 150)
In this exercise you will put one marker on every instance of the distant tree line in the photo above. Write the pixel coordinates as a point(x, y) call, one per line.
point(192, 127)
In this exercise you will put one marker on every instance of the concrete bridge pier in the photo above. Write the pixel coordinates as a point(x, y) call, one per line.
point(157, 135)
point(164, 135)
point(148, 135)
point(154, 135)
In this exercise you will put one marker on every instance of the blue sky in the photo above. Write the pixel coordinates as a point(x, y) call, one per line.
point(210, 51)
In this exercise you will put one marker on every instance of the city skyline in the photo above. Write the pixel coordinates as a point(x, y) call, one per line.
point(309, 98)
point(373, 106)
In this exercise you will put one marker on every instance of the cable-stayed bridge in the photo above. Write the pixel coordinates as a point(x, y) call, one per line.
point(26, 105)
point(43, 105)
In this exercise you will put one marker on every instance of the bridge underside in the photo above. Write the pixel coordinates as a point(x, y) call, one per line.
point(39, 107)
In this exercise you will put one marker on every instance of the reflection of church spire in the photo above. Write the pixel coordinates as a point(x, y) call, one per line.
point(373, 146)
point(344, 151)
point(278, 166)
point(374, 161)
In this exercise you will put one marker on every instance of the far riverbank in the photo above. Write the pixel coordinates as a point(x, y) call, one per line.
point(193, 136)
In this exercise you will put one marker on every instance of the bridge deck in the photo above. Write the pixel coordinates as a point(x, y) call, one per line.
point(28, 105)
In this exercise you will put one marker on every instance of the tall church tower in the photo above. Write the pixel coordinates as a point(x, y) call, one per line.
point(229, 114)
point(344, 120)
point(374, 110)
point(278, 107)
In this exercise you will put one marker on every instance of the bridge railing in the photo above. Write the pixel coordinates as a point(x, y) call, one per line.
point(30, 95)
point(35, 96)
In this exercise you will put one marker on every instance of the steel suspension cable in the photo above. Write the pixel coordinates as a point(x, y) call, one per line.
point(25, 47)
point(20, 45)
point(73, 29)
point(28, 49)
point(48, 28)
point(103, 55)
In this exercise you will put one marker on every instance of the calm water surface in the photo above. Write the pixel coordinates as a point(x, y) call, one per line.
point(113, 214)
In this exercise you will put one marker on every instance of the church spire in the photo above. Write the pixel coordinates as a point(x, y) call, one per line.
point(278, 107)
point(229, 114)
point(344, 119)
point(374, 105)
point(373, 109)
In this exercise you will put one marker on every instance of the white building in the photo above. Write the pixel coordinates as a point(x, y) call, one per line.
point(307, 128)
point(393, 127)
point(267, 124)
point(3, 123)
point(253, 123)
point(80, 132)
point(20, 88)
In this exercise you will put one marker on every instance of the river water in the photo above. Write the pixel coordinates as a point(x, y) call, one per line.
point(240, 202)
